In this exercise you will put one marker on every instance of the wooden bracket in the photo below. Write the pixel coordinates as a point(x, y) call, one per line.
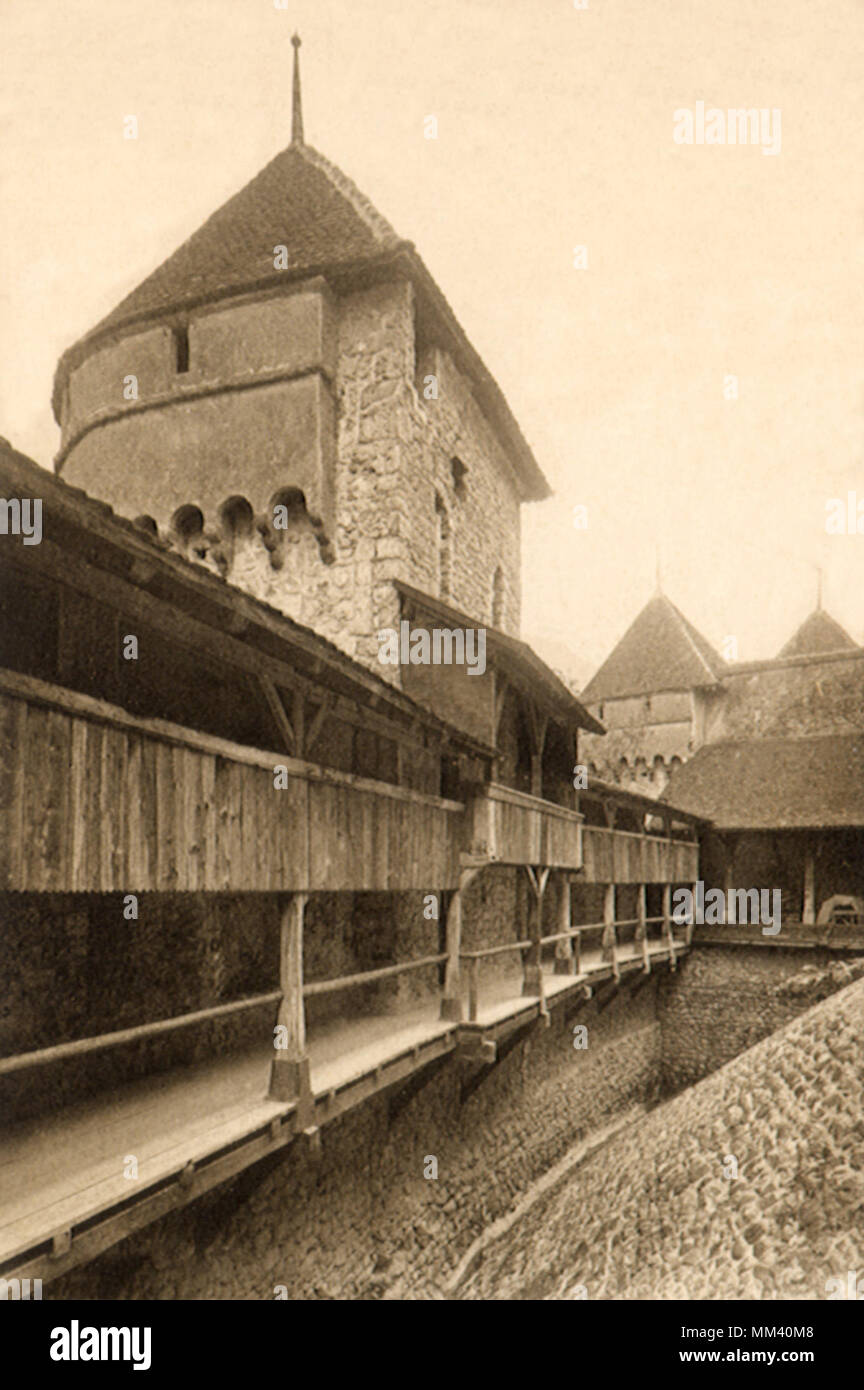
point(61, 1244)
point(277, 711)
point(538, 879)
point(315, 727)
point(187, 1176)
point(311, 1137)
point(477, 1049)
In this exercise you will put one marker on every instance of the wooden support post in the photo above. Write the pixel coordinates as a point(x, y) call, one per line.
point(642, 928)
point(564, 949)
point(289, 1074)
point(667, 922)
point(473, 964)
point(451, 1002)
point(537, 727)
point(536, 774)
point(808, 907)
point(729, 846)
point(610, 944)
point(532, 963)
point(692, 923)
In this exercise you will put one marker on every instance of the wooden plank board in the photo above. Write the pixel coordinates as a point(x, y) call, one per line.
point(134, 840)
point(166, 873)
point(149, 815)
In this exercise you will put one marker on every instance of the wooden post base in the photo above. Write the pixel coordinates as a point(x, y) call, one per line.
point(532, 982)
point(289, 1078)
point(451, 1010)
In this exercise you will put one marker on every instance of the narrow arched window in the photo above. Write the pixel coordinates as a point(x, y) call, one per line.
point(181, 349)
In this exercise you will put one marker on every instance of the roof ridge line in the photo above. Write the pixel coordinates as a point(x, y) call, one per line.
point(685, 625)
point(363, 206)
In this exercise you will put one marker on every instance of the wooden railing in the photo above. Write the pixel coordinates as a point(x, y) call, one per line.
point(294, 990)
point(512, 827)
point(571, 961)
point(472, 960)
point(624, 856)
point(82, 1047)
point(98, 800)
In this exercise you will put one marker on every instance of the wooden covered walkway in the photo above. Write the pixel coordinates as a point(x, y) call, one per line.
point(64, 1196)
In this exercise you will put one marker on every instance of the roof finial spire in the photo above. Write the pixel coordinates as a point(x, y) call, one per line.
point(819, 588)
point(297, 107)
point(657, 569)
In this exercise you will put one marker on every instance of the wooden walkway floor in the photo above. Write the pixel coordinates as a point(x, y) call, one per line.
point(63, 1193)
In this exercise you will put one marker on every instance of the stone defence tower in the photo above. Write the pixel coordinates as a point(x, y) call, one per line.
point(290, 400)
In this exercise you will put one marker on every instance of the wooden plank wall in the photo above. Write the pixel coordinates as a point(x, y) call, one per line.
point(614, 856)
point(95, 800)
point(524, 830)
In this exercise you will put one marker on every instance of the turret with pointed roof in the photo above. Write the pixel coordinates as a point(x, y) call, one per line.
point(660, 651)
point(819, 632)
point(323, 226)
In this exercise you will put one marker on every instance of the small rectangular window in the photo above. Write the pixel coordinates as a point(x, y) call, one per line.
point(181, 349)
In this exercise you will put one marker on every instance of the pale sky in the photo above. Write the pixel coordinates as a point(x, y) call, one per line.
point(555, 130)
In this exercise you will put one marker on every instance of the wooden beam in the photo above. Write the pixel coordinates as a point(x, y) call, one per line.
point(279, 716)
point(532, 963)
point(808, 908)
point(667, 923)
point(610, 944)
point(729, 847)
point(501, 687)
point(564, 961)
point(642, 929)
point(451, 1002)
point(289, 1073)
point(298, 722)
point(318, 721)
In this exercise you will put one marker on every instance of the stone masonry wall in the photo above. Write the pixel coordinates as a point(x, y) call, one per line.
point(723, 1000)
point(748, 1186)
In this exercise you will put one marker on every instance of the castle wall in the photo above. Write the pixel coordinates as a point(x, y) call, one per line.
point(814, 697)
point(723, 1000)
point(661, 707)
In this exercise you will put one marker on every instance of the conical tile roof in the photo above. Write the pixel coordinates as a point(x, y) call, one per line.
point(660, 650)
